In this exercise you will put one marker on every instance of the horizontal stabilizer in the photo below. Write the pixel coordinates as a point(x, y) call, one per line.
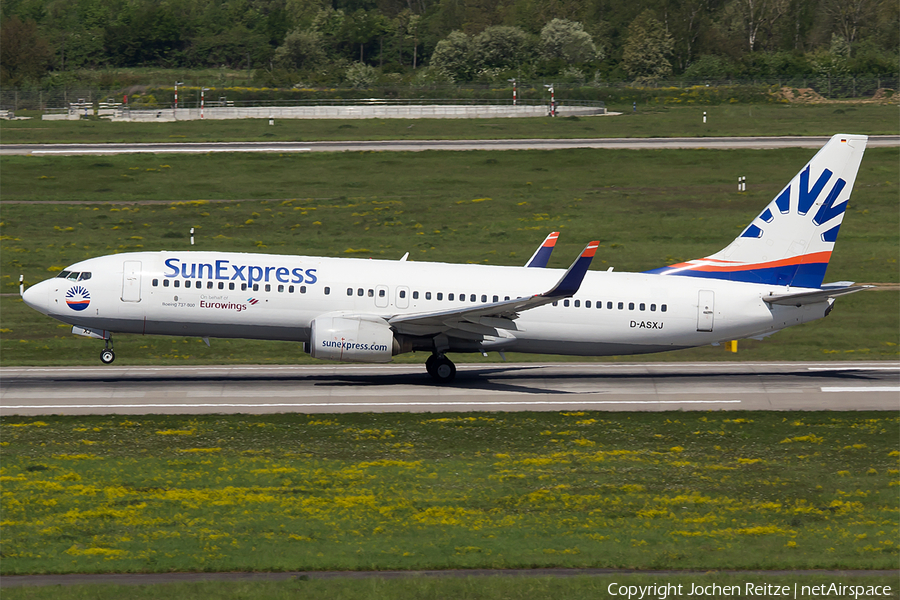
point(813, 297)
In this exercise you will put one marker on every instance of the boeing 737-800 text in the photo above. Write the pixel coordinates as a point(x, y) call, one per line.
point(357, 310)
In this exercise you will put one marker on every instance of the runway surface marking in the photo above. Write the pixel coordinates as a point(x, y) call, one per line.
point(355, 404)
point(862, 389)
point(168, 150)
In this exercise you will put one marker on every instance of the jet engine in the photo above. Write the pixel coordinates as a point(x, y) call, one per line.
point(352, 339)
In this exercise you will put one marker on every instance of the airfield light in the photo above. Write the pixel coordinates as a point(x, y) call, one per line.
point(175, 112)
point(202, 98)
point(552, 99)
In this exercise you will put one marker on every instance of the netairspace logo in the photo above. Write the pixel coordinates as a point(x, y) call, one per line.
point(78, 298)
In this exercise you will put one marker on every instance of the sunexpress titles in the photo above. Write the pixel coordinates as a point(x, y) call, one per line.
point(225, 270)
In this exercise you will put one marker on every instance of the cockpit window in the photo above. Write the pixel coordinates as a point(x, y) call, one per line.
point(73, 276)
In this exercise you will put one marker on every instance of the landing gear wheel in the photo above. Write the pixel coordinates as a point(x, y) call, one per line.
point(442, 370)
point(107, 356)
point(429, 364)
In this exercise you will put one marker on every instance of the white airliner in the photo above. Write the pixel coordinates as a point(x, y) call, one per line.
point(361, 310)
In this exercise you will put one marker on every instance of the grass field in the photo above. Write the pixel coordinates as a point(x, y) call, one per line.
point(422, 491)
point(482, 588)
point(647, 208)
point(727, 120)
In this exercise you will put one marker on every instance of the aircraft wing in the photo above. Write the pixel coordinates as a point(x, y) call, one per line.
point(485, 319)
point(541, 256)
point(816, 296)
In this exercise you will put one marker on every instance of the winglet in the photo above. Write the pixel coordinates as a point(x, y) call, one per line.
point(571, 281)
point(541, 256)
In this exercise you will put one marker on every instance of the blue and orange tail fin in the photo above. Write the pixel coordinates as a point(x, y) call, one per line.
point(541, 256)
point(791, 241)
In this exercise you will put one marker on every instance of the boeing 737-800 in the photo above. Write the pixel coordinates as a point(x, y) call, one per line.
point(357, 310)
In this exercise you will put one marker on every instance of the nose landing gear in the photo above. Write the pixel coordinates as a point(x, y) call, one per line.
point(440, 368)
point(108, 355)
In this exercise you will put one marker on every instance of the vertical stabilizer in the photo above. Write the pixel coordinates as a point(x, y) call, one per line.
point(791, 241)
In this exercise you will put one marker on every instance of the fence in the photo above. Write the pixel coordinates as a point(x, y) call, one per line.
point(829, 87)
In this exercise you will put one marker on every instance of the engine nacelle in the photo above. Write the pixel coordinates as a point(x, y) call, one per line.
point(352, 339)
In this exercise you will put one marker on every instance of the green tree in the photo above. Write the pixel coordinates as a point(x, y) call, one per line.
point(501, 47)
point(568, 41)
point(453, 55)
point(24, 55)
point(647, 48)
point(301, 50)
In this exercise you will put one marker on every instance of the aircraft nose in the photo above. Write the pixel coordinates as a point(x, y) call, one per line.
point(37, 297)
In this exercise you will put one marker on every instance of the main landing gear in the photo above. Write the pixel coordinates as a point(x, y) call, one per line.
point(440, 368)
point(108, 355)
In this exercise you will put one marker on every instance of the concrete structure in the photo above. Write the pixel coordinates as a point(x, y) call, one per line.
point(355, 111)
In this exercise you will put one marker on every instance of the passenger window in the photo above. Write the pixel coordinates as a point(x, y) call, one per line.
point(496, 298)
point(471, 297)
point(641, 306)
point(609, 305)
point(243, 287)
point(255, 287)
point(280, 288)
point(231, 286)
point(177, 283)
point(428, 295)
point(663, 308)
point(381, 293)
point(327, 290)
point(556, 303)
point(84, 276)
point(155, 282)
point(621, 305)
point(290, 289)
point(165, 283)
point(221, 285)
point(506, 297)
point(302, 289)
point(403, 293)
point(631, 306)
point(371, 293)
point(578, 304)
point(450, 297)
point(440, 295)
point(187, 283)
point(360, 292)
point(587, 303)
point(484, 297)
point(209, 285)
point(349, 291)
point(415, 295)
point(565, 303)
point(268, 287)
point(652, 308)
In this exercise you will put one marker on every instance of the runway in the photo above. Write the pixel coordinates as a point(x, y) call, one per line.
point(717, 143)
point(478, 387)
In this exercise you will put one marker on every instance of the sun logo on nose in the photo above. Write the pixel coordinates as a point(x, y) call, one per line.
point(78, 298)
